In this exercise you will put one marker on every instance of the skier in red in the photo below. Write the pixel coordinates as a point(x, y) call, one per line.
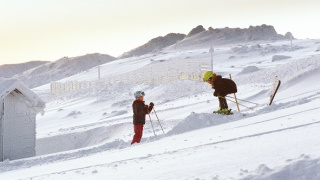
point(139, 115)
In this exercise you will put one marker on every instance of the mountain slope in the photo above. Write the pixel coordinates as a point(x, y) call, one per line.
point(62, 68)
point(154, 45)
point(9, 70)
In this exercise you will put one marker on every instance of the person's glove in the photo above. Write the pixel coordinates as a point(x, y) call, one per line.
point(151, 105)
point(146, 108)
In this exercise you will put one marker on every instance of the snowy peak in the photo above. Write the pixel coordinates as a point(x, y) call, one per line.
point(62, 68)
point(155, 45)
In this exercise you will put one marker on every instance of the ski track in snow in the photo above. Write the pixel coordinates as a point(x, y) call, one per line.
point(177, 151)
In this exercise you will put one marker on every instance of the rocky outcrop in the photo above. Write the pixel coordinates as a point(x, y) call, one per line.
point(196, 30)
point(262, 32)
point(288, 35)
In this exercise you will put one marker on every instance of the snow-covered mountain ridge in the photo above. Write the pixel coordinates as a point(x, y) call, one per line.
point(61, 69)
point(199, 37)
point(9, 70)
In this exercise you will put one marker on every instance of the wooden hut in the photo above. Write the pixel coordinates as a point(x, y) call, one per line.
point(18, 109)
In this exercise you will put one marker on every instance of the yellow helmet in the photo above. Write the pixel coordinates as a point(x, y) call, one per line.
point(208, 75)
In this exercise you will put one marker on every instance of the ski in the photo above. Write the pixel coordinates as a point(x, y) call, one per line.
point(224, 113)
point(275, 91)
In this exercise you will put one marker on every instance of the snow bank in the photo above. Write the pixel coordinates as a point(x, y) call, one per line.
point(299, 169)
point(249, 69)
point(279, 58)
point(97, 136)
point(198, 121)
point(42, 160)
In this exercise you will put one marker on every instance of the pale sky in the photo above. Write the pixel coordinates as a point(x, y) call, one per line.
point(50, 29)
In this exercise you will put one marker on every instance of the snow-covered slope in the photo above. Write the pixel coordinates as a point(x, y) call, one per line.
point(154, 45)
point(62, 68)
point(86, 134)
point(9, 70)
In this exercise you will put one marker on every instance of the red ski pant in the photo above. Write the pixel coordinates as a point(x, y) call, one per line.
point(137, 133)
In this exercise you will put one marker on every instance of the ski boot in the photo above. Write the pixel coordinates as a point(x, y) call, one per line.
point(223, 111)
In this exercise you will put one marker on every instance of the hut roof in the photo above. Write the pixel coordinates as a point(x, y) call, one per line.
point(8, 85)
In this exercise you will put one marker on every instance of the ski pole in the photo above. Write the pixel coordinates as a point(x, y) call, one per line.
point(151, 123)
point(235, 97)
point(158, 119)
point(235, 102)
point(244, 100)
